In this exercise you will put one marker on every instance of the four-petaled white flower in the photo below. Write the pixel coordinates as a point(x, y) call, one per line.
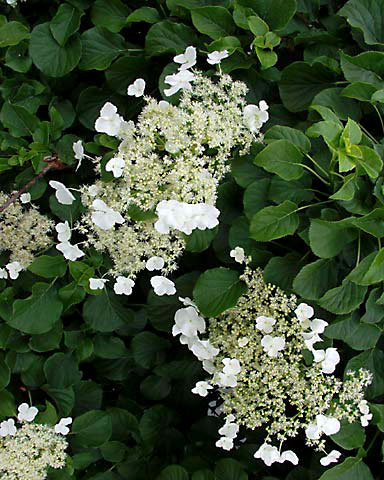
point(104, 217)
point(330, 458)
point(265, 324)
point(3, 273)
point(109, 121)
point(324, 424)
point(270, 454)
point(7, 428)
point(231, 366)
point(116, 166)
point(186, 59)
point(93, 190)
point(154, 263)
point(272, 345)
point(63, 195)
point(179, 81)
point(136, 89)
point(366, 416)
point(162, 285)
point(70, 252)
point(163, 105)
point(123, 286)
point(318, 326)
point(14, 268)
point(243, 341)
point(365, 419)
point(63, 231)
point(25, 197)
point(78, 150)
point(216, 57)
point(204, 350)
point(238, 254)
point(229, 430)
point(329, 358)
point(255, 116)
point(97, 283)
point(188, 322)
point(227, 380)
point(61, 427)
point(201, 388)
point(303, 313)
point(225, 443)
point(26, 413)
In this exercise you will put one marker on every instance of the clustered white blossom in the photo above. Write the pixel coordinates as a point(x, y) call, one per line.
point(29, 450)
point(254, 354)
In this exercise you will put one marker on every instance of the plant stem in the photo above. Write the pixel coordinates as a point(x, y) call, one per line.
point(317, 164)
point(313, 172)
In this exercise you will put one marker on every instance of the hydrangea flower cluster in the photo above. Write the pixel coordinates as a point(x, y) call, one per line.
point(27, 451)
point(23, 232)
point(255, 356)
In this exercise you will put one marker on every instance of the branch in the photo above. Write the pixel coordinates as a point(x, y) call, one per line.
point(53, 164)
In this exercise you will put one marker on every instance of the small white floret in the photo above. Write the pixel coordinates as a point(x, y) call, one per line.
point(162, 285)
point(136, 89)
point(186, 59)
point(7, 428)
point(63, 231)
point(70, 252)
point(265, 324)
point(201, 388)
point(116, 166)
point(238, 254)
point(26, 413)
point(332, 457)
point(123, 286)
point(61, 427)
point(14, 268)
point(154, 263)
point(63, 195)
point(216, 57)
point(25, 197)
point(97, 283)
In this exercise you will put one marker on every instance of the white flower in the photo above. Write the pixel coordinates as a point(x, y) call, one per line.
point(318, 326)
point(163, 105)
point(188, 322)
point(179, 81)
point(116, 166)
point(304, 312)
point(171, 147)
point(242, 342)
point(7, 428)
point(3, 273)
point(203, 350)
point(97, 283)
point(363, 407)
point(225, 443)
point(231, 366)
point(123, 286)
point(365, 419)
point(265, 324)
point(229, 430)
point(25, 197)
point(324, 424)
point(63, 231)
point(187, 59)
point(255, 116)
point(154, 263)
point(104, 217)
point(78, 150)
point(162, 285)
point(26, 413)
point(329, 359)
point(61, 427)
point(187, 302)
point(227, 380)
point(238, 254)
point(268, 454)
point(70, 252)
point(310, 338)
point(216, 56)
point(201, 388)
point(14, 268)
point(136, 89)
point(272, 345)
point(330, 458)
point(109, 121)
point(93, 190)
point(63, 195)
point(209, 366)
point(288, 456)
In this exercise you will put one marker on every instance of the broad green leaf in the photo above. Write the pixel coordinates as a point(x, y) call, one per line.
point(90, 102)
point(92, 429)
point(169, 37)
point(155, 388)
point(173, 472)
point(378, 415)
point(276, 13)
point(347, 191)
point(375, 272)
point(315, 279)
point(350, 436)
point(216, 22)
point(144, 14)
point(343, 299)
point(345, 108)
point(5, 373)
point(358, 273)
point(107, 346)
point(283, 158)
point(200, 240)
point(281, 271)
point(360, 91)
point(123, 72)
point(37, 313)
point(257, 25)
point(65, 23)
point(297, 191)
point(374, 310)
point(256, 196)
point(358, 335)
point(148, 349)
point(371, 161)
point(327, 129)
point(61, 370)
point(373, 361)
point(49, 56)
point(7, 404)
point(154, 423)
point(68, 213)
point(368, 17)
point(18, 119)
point(49, 267)
point(113, 452)
point(217, 290)
point(271, 223)
point(229, 469)
point(267, 58)
point(366, 67)
point(111, 15)
point(44, 342)
point(12, 33)
point(327, 239)
point(100, 48)
point(297, 137)
point(350, 469)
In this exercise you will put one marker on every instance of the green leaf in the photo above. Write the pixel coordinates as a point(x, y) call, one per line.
point(327, 239)
point(49, 56)
point(281, 271)
point(257, 26)
point(61, 370)
point(229, 469)
point(297, 137)
point(105, 312)
point(366, 67)
point(281, 157)
point(277, 13)
point(47, 341)
point(374, 310)
point(124, 71)
point(315, 279)
point(65, 23)
point(169, 37)
point(343, 299)
point(368, 17)
point(267, 58)
point(37, 313)
point(100, 48)
point(18, 119)
point(144, 14)
point(350, 469)
point(49, 267)
point(92, 429)
point(360, 91)
point(216, 290)
point(216, 22)
point(5, 373)
point(300, 82)
point(373, 361)
point(297, 191)
point(347, 191)
point(200, 240)
point(111, 15)
point(358, 335)
point(148, 349)
point(12, 33)
point(173, 472)
point(155, 388)
point(113, 452)
point(371, 161)
point(106, 346)
point(256, 196)
point(271, 223)
point(154, 422)
point(7, 404)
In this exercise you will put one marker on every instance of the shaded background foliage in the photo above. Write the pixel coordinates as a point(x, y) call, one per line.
point(110, 362)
